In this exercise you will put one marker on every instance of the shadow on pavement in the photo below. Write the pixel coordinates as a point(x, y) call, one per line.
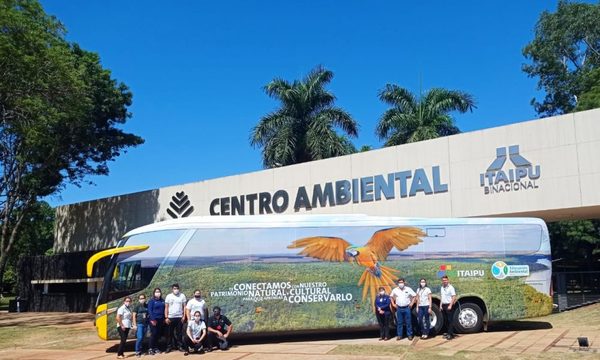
point(522, 325)
point(343, 335)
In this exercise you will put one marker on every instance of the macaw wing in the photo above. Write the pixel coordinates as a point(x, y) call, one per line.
point(371, 282)
point(382, 241)
point(322, 247)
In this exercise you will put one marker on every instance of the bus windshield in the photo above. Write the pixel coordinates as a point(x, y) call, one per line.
point(132, 272)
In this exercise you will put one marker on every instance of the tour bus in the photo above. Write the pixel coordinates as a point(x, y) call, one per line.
point(297, 273)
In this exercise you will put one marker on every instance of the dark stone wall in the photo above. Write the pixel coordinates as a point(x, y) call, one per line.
point(69, 297)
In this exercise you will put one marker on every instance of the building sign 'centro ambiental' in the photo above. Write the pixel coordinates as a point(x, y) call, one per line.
point(522, 176)
point(360, 190)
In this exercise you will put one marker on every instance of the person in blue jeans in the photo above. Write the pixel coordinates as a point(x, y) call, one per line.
point(403, 299)
point(156, 314)
point(424, 308)
point(140, 315)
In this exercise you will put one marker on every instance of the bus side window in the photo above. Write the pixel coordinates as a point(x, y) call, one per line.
point(436, 232)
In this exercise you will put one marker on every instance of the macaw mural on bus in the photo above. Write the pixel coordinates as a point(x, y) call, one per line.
point(371, 255)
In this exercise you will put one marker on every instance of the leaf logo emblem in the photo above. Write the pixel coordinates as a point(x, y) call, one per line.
point(180, 206)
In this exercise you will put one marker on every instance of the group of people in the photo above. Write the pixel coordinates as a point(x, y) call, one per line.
point(401, 301)
point(189, 329)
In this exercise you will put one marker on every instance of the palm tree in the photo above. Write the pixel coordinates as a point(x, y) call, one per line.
point(410, 119)
point(304, 128)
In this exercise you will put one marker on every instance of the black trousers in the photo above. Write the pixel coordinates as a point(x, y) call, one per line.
point(384, 324)
point(212, 340)
point(174, 335)
point(449, 318)
point(123, 334)
point(190, 345)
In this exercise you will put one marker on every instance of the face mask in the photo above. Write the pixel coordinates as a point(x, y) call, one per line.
point(176, 292)
point(401, 286)
point(142, 301)
point(157, 294)
point(423, 284)
point(127, 303)
point(382, 293)
point(197, 297)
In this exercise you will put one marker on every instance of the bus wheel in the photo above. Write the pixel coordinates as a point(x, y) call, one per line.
point(468, 318)
point(436, 320)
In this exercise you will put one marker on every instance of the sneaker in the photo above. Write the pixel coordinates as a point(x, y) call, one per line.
point(398, 337)
point(186, 353)
point(424, 336)
point(168, 350)
point(410, 338)
point(201, 351)
point(150, 352)
point(156, 351)
point(182, 349)
point(138, 354)
point(121, 357)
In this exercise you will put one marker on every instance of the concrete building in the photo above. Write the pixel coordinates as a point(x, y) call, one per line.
point(548, 168)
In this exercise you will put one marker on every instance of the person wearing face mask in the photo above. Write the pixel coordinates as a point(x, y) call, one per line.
point(448, 300)
point(403, 299)
point(383, 311)
point(196, 304)
point(219, 329)
point(156, 314)
point(174, 308)
point(424, 308)
point(140, 314)
point(196, 333)
point(124, 318)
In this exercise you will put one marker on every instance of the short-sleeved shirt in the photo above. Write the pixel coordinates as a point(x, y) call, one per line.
point(403, 296)
point(196, 328)
point(447, 293)
point(126, 316)
point(220, 324)
point(176, 305)
point(196, 305)
point(141, 313)
point(423, 294)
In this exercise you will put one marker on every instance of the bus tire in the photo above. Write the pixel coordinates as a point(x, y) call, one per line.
point(468, 318)
point(437, 320)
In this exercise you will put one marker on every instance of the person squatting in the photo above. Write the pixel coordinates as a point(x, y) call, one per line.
point(185, 324)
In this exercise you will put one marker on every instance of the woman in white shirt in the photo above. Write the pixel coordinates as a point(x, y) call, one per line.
point(124, 318)
point(424, 308)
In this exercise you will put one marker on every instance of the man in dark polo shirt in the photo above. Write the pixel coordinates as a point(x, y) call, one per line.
point(219, 329)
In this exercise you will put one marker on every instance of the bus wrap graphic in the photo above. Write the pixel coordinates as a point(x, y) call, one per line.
point(500, 270)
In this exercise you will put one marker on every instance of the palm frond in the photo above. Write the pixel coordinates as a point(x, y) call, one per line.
point(398, 97)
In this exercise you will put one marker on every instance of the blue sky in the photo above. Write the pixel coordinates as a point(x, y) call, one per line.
point(197, 69)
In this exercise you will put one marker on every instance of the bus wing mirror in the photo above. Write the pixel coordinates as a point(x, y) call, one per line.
point(109, 252)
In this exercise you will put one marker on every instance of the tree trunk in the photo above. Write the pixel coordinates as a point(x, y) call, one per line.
point(3, 261)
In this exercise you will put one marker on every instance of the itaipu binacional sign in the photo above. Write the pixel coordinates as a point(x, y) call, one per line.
point(393, 185)
point(523, 175)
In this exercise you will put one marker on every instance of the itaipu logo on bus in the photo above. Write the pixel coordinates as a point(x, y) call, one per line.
point(522, 176)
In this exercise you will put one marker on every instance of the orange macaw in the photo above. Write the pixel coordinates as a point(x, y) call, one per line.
point(370, 256)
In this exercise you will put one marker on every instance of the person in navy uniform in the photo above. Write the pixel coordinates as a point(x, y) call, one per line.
point(219, 329)
point(383, 311)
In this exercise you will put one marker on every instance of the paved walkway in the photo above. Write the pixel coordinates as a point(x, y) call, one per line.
point(506, 340)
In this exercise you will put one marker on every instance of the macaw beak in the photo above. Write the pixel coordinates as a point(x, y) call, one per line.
point(352, 252)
